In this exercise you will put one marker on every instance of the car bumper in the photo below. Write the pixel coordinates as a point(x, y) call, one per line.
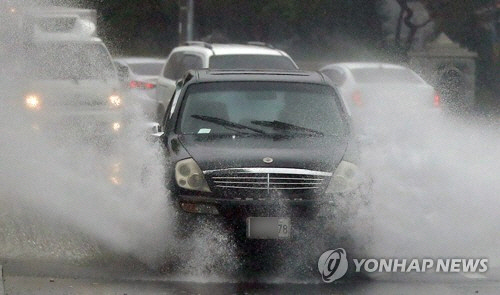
point(86, 122)
point(255, 207)
point(305, 216)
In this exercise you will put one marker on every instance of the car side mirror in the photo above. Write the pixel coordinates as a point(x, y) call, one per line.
point(155, 137)
point(154, 132)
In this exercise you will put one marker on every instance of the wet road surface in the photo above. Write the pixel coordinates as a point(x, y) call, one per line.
point(39, 277)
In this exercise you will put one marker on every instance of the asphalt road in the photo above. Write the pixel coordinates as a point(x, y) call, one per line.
point(49, 277)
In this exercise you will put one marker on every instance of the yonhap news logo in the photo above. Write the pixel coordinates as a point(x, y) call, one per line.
point(333, 265)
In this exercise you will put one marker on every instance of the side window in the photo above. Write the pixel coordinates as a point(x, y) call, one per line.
point(179, 63)
point(171, 106)
point(172, 67)
point(166, 116)
point(190, 62)
point(175, 99)
point(337, 75)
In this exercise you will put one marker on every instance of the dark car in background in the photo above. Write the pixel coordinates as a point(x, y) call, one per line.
point(264, 150)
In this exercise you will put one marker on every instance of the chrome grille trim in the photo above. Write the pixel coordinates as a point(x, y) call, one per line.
point(268, 188)
point(293, 171)
point(273, 183)
point(274, 179)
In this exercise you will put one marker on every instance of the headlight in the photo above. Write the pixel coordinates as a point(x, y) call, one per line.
point(114, 177)
point(116, 126)
point(33, 101)
point(188, 175)
point(345, 179)
point(115, 100)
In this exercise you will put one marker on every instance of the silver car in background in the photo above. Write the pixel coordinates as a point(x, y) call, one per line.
point(378, 94)
point(68, 78)
point(381, 87)
point(139, 76)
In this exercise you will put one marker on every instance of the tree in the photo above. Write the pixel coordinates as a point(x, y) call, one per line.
point(468, 22)
point(406, 17)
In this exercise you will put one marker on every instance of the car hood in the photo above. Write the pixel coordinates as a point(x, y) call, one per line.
point(312, 153)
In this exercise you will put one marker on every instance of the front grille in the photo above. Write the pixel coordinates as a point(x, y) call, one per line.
point(77, 101)
point(268, 179)
point(91, 102)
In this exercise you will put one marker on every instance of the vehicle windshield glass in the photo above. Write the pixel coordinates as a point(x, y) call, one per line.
point(146, 69)
point(385, 75)
point(271, 107)
point(75, 61)
point(277, 62)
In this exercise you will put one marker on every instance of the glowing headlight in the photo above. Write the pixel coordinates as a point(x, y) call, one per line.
point(115, 100)
point(345, 179)
point(116, 126)
point(32, 101)
point(188, 175)
point(115, 178)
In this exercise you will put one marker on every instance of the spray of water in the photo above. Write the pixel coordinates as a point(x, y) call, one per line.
point(69, 193)
point(58, 177)
point(434, 192)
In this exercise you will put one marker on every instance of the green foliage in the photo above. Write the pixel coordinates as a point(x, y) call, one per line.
point(458, 19)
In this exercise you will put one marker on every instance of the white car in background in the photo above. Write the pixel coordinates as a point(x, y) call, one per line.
point(139, 76)
point(69, 80)
point(381, 88)
point(199, 55)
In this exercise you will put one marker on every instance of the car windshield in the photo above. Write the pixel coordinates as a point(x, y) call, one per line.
point(75, 61)
point(278, 62)
point(262, 108)
point(146, 69)
point(385, 75)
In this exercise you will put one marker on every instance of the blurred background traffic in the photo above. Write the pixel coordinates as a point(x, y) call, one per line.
point(453, 45)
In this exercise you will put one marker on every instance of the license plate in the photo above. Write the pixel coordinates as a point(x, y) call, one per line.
point(268, 227)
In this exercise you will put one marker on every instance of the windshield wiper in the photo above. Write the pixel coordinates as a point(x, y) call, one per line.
point(226, 123)
point(287, 127)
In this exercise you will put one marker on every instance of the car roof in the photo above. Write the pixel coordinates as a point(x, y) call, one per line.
point(230, 49)
point(210, 75)
point(139, 59)
point(365, 65)
point(62, 38)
